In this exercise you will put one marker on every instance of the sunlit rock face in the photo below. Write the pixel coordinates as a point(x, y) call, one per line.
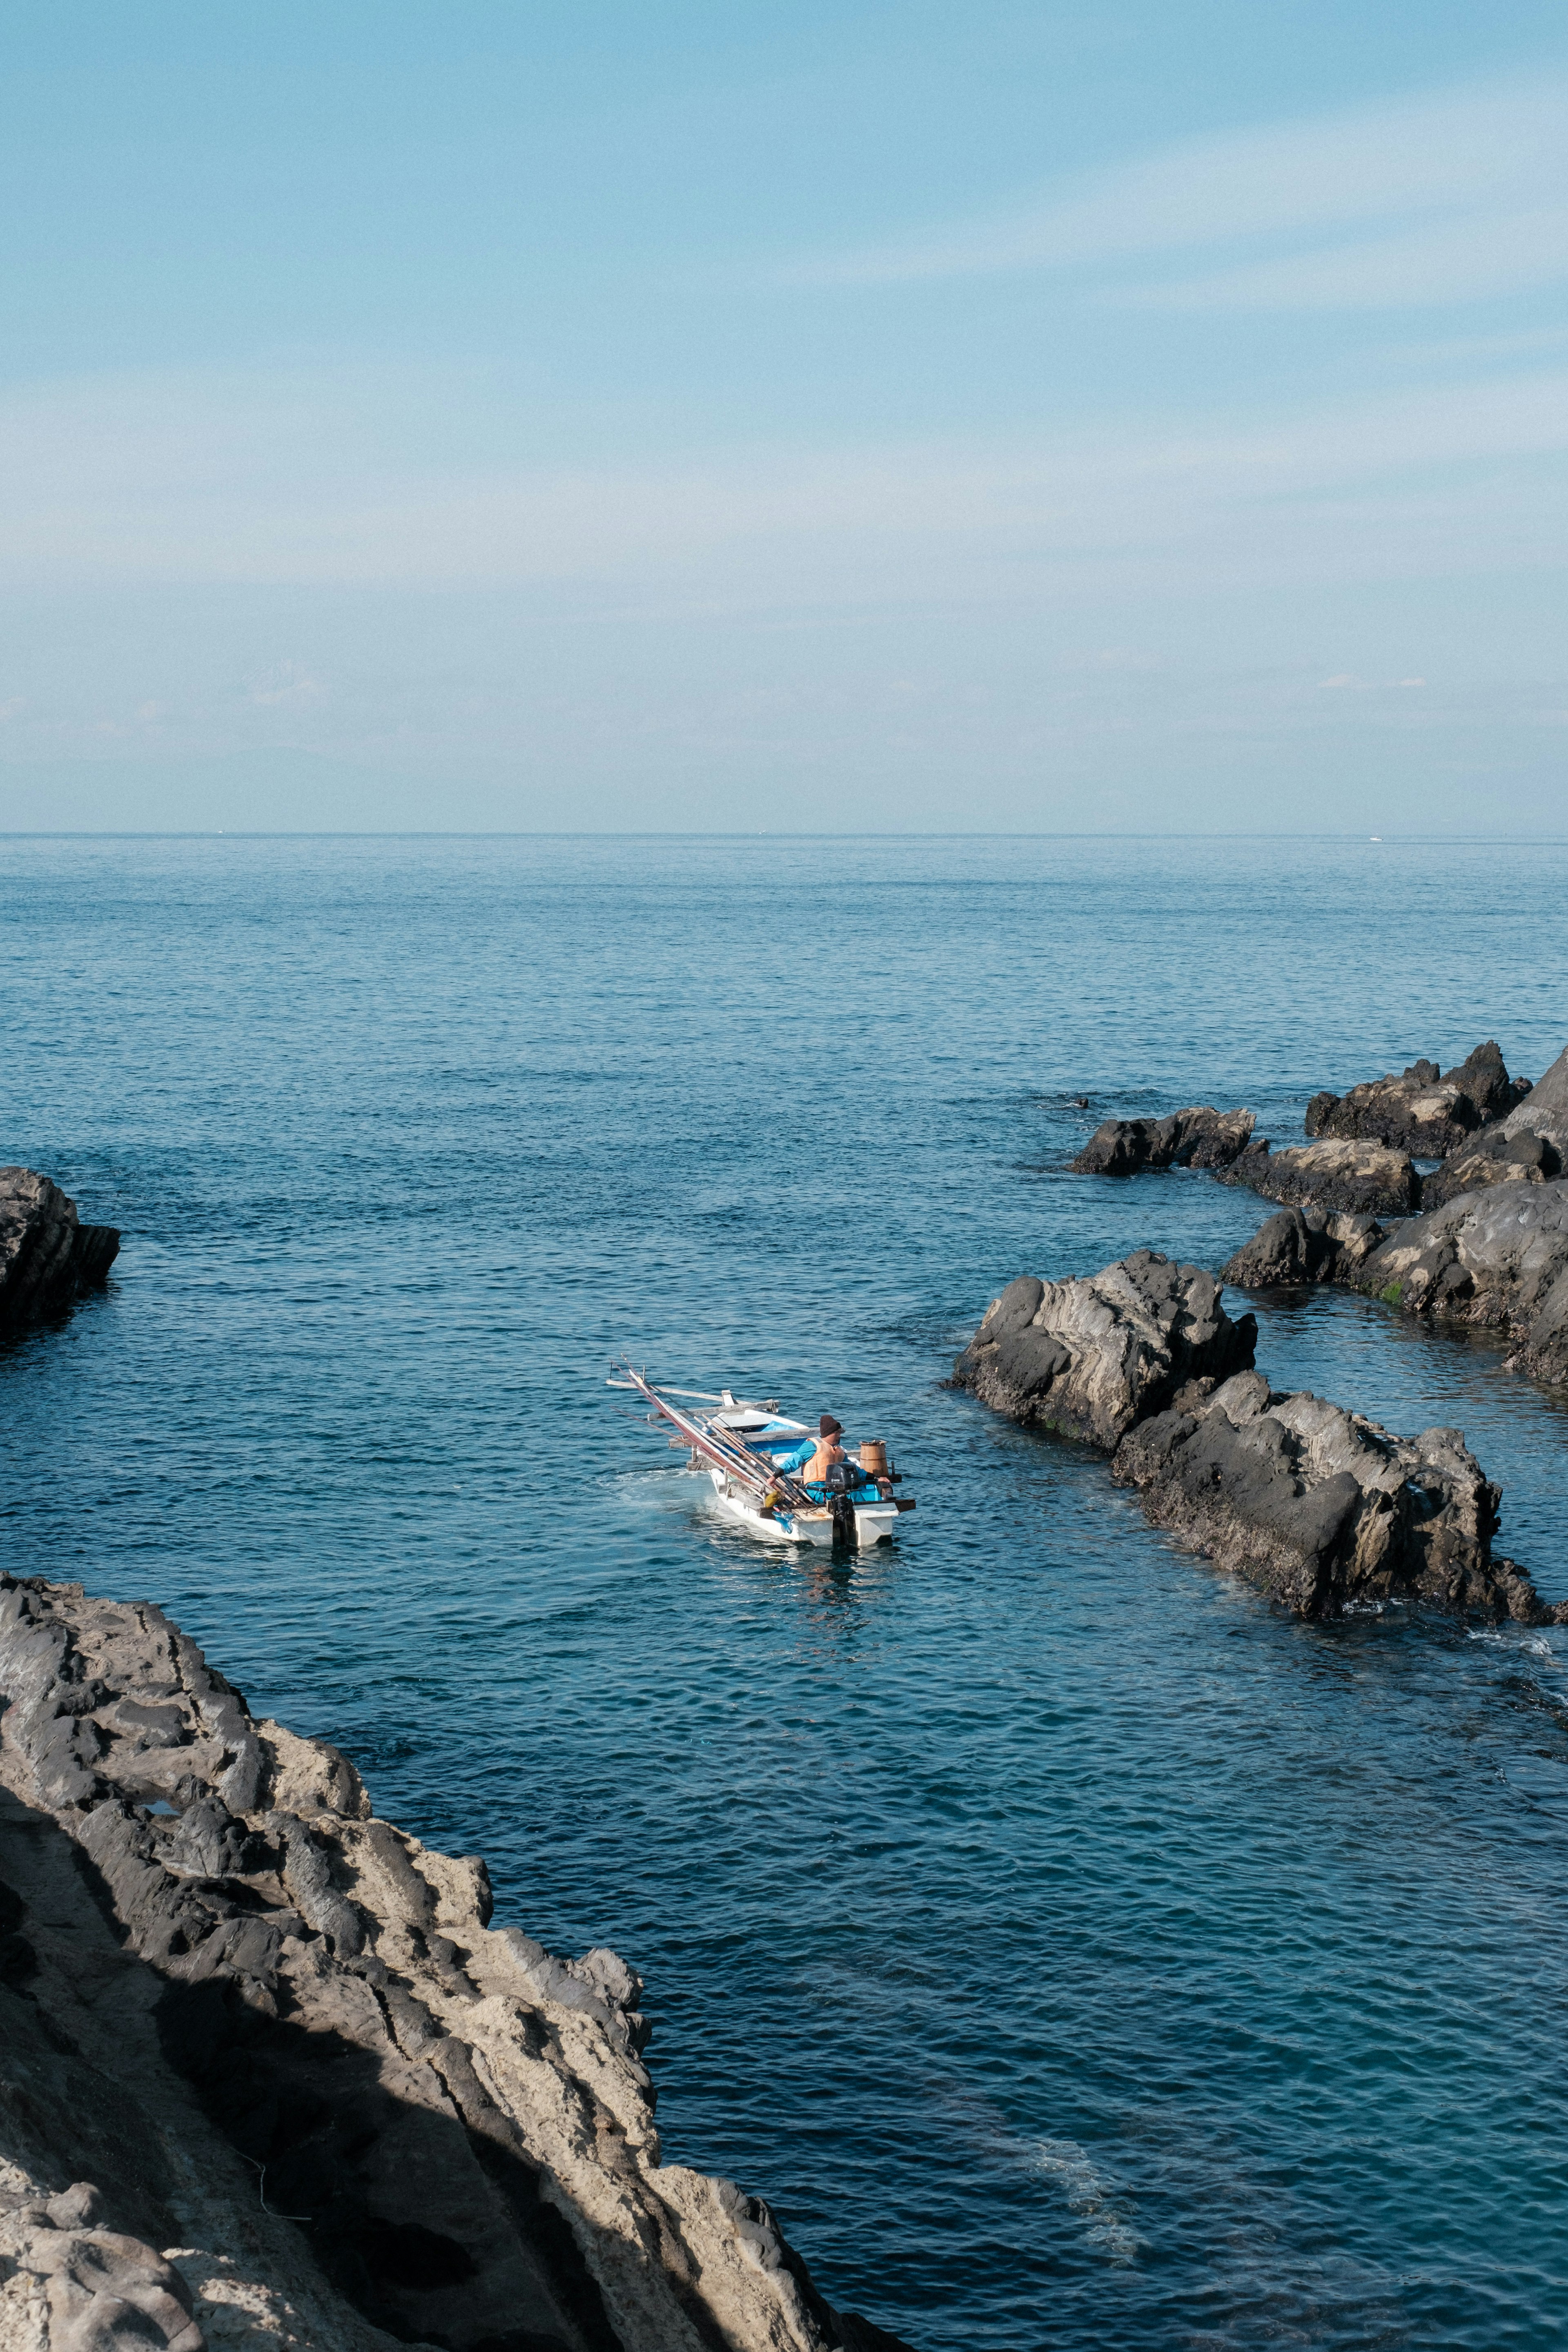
point(1090, 1357)
point(1352, 1178)
point(1424, 1111)
point(1498, 1258)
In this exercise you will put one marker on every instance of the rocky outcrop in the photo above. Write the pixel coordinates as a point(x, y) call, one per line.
point(1423, 1112)
point(305, 2092)
point(69, 2283)
point(1494, 1158)
point(1354, 1179)
point(1497, 1258)
point(47, 1257)
point(1545, 1111)
point(1322, 1508)
point(1199, 1137)
point(1092, 1357)
point(1302, 1245)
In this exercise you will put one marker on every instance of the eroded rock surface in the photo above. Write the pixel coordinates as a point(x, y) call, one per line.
point(323, 2101)
point(1322, 1508)
point(1298, 1246)
point(77, 2287)
point(1355, 1179)
point(1198, 1136)
point(1423, 1112)
point(1494, 1158)
point(1545, 1109)
point(1497, 1258)
point(1090, 1357)
point(47, 1257)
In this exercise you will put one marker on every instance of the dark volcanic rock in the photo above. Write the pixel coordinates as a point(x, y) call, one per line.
point(1357, 1179)
point(1199, 1137)
point(1493, 1158)
point(47, 1257)
point(1423, 1112)
point(1323, 1509)
point(1092, 1357)
point(286, 2039)
point(1302, 1245)
point(1496, 1259)
point(1545, 1112)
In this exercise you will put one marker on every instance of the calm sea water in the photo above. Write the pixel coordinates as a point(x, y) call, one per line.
point(1075, 1950)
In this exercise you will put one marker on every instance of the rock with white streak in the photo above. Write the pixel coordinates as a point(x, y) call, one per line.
point(1351, 1179)
point(1090, 1357)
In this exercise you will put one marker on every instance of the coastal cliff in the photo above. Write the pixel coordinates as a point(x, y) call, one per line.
point(271, 2077)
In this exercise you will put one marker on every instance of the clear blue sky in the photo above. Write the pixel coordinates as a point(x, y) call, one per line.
point(1122, 417)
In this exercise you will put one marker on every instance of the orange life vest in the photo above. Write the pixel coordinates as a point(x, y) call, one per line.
point(827, 1450)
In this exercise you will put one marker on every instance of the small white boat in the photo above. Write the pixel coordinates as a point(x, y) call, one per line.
point(741, 1445)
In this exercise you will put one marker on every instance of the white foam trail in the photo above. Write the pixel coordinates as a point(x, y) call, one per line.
point(1088, 2197)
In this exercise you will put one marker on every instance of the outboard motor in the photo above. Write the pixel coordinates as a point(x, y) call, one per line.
point(841, 1510)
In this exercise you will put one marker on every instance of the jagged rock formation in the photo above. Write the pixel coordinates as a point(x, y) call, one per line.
point(1423, 1112)
point(1322, 1508)
point(46, 1256)
point(1302, 1245)
point(307, 2095)
point(1199, 1137)
point(1497, 1258)
point(1494, 1158)
point(1319, 1507)
point(1356, 1178)
point(1088, 1358)
point(1545, 1112)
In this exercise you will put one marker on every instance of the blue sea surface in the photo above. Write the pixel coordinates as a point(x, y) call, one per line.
point(1075, 1950)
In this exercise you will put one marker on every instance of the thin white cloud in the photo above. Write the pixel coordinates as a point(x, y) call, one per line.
point(201, 480)
point(1460, 193)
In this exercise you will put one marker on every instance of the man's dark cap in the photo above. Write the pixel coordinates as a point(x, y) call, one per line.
point(828, 1427)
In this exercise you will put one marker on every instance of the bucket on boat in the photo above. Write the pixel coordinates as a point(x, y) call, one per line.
point(874, 1457)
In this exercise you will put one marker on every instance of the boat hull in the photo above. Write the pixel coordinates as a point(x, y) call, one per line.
point(873, 1523)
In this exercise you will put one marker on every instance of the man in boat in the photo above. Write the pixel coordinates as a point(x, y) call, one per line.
point(812, 1458)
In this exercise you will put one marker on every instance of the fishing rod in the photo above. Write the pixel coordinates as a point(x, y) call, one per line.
point(722, 1447)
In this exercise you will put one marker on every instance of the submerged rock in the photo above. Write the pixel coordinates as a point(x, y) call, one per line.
point(1423, 1112)
point(1496, 1259)
point(46, 1256)
point(283, 2040)
point(1322, 1508)
point(1302, 1245)
point(1199, 1137)
point(1357, 1179)
point(1090, 1357)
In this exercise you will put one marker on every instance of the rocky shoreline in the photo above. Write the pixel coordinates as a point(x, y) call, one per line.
point(1481, 1240)
point(272, 2078)
point(1495, 1261)
point(1320, 1507)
